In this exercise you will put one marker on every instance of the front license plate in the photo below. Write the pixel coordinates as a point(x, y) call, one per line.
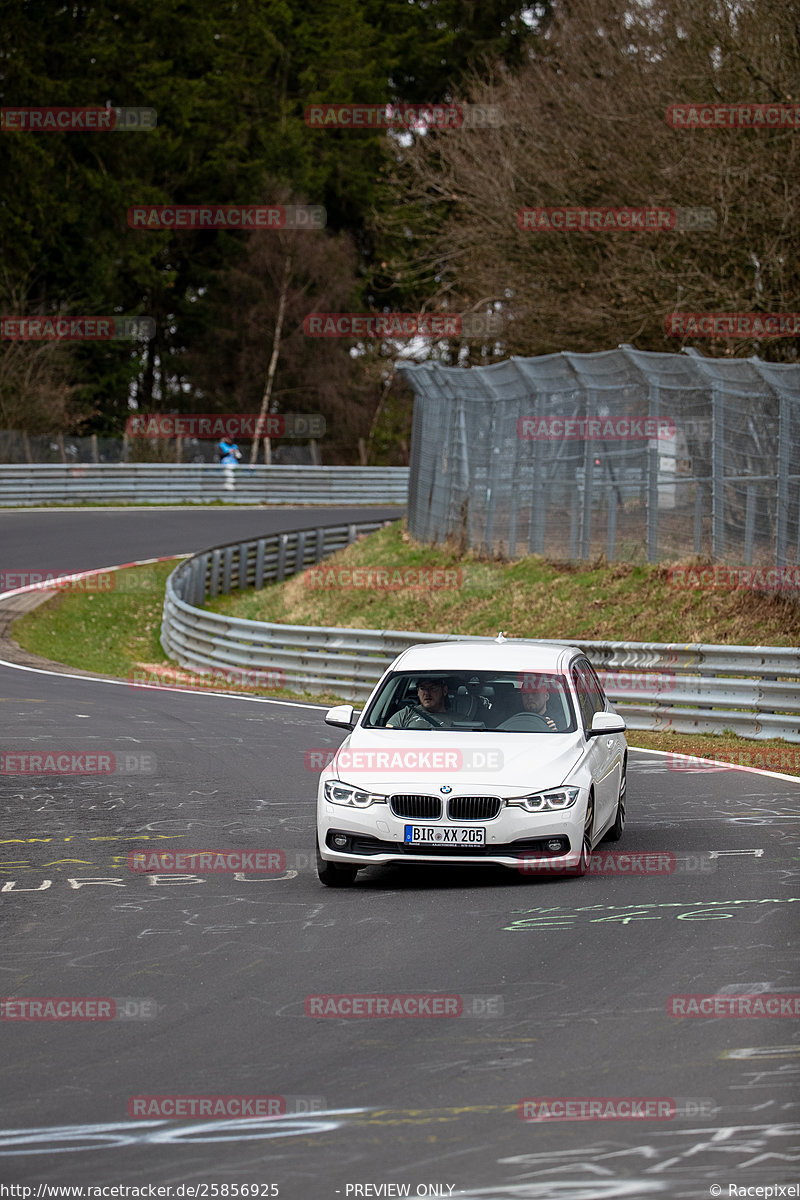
point(452, 835)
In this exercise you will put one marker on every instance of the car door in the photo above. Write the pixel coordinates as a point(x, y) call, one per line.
point(603, 758)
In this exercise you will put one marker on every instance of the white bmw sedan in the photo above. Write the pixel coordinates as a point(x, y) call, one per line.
point(498, 752)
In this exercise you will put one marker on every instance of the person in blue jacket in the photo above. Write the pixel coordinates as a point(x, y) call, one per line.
point(229, 452)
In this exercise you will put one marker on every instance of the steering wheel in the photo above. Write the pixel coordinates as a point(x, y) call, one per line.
point(521, 723)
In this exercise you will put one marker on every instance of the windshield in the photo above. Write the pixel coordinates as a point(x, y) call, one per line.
point(473, 701)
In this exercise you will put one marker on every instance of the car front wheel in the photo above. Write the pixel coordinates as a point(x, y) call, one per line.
point(586, 845)
point(615, 831)
point(332, 875)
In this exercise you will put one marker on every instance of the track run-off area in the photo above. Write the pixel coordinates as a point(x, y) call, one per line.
point(564, 986)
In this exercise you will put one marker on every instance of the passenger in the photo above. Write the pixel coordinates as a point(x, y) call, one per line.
point(535, 698)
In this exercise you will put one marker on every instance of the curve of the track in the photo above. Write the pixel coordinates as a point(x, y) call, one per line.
point(579, 971)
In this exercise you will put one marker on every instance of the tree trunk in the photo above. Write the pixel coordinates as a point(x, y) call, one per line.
point(273, 362)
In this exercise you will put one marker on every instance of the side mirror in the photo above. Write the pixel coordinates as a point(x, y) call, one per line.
point(606, 722)
point(342, 716)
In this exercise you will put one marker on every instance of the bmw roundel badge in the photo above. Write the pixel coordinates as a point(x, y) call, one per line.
point(445, 790)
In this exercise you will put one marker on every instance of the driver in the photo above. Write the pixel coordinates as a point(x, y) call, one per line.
point(431, 710)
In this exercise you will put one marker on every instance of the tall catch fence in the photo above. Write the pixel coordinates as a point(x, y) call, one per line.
point(625, 452)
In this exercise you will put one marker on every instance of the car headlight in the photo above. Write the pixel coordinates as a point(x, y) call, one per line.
point(551, 801)
point(344, 793)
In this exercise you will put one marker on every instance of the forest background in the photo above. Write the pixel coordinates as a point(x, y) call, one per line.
point(418, 221)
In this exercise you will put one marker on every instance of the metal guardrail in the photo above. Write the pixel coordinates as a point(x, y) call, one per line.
point(752, 690)
point(173, 483)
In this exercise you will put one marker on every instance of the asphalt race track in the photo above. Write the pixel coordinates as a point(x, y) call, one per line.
point(563, 983)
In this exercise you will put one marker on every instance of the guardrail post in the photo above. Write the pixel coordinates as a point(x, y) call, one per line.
point(244, 554)
point(261, 545)
point(352, 534)
point(280, 567)
point(319, 546)
point(227, 565)
point(300, 552)
point(213, 589)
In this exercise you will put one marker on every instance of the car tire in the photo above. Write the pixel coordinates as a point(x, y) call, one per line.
point(332, 875)
point(586, 847)
point(615, 831)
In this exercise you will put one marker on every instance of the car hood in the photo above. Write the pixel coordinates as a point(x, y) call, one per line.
point(504, 764)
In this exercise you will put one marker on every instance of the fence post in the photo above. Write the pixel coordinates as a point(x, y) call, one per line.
point(698, 517)
point(749, 524)
point(652, 480)
point(782, 483)
point(214, 581)
point(244, 554)
point(611, 506)
point(717, 476)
